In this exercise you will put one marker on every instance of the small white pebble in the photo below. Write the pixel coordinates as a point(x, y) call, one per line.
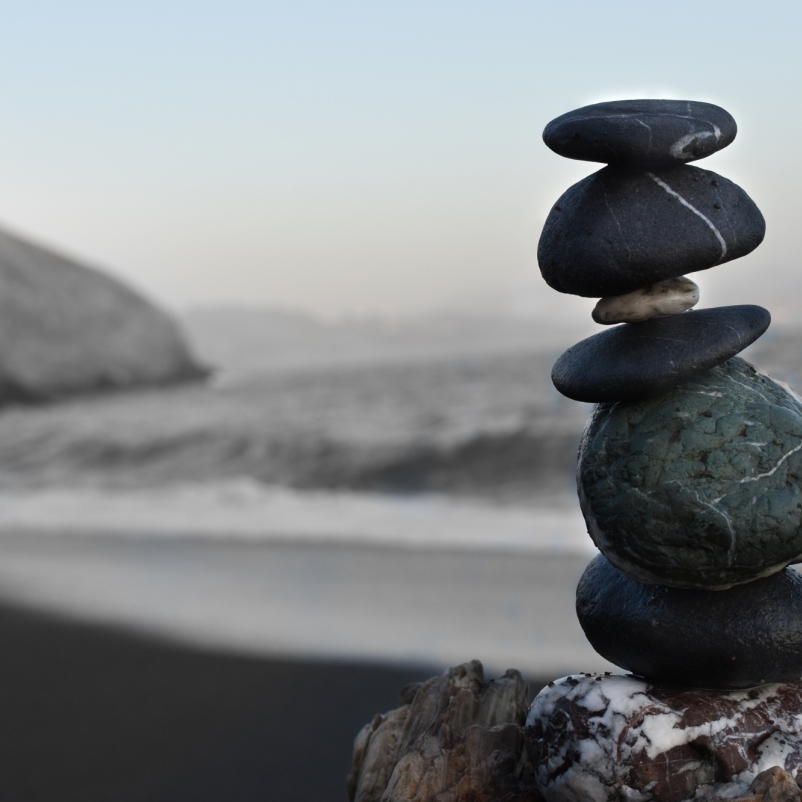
point(669, 297)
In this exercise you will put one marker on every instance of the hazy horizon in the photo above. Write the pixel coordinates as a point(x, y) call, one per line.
point(366, 159)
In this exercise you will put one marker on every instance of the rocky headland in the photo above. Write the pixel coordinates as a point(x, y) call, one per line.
point(67, 329)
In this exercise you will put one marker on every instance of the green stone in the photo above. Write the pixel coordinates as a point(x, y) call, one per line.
point(700, 487)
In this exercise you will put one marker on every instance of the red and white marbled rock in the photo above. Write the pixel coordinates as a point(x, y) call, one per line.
point(612, 738)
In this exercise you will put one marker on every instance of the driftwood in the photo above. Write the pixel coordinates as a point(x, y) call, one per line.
point(455, 738)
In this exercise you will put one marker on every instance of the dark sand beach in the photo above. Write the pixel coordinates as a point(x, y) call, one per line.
point(149, 668)
point(93, 713)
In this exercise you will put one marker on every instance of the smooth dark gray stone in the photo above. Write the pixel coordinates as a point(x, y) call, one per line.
point(618, 230)
point(701, 487)
point(641, 132)
point(638, 360)
point(738, 638)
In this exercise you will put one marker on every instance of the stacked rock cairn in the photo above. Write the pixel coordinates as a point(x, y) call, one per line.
point(689, 477)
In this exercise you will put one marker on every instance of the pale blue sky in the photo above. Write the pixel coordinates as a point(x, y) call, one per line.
point(366, 157)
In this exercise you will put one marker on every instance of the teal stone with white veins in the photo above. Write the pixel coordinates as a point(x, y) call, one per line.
point(700, 487)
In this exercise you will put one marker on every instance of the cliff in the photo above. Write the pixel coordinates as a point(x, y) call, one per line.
point(67, 329)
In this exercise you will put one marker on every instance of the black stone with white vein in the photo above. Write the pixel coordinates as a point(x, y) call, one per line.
point(635, 361)
point(641, 132)
point(745, 636)
point(620, 229)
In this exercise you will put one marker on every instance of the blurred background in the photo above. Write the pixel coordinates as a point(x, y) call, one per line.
point(277, 431)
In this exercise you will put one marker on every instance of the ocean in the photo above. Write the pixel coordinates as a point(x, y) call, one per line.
point(413, 510)
point(489, 426)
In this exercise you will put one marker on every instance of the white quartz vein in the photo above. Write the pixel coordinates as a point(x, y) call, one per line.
point(732, 229)
point(685, 203)
point(621, 233)
point(627, 723)
point(630, 115)
point(677, 150)
point(750, 389)
point(734, 331)
point(733, 537)
point(782, 459)
point(649, 128)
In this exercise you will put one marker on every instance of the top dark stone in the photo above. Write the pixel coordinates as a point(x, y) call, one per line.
point(645, 133)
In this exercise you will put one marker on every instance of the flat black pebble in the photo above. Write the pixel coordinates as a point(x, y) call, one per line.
point(641, 132)
point(618, 230)
point(639, 360)
point(738, 638)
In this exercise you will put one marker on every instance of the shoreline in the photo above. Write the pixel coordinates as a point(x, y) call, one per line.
point(310, 601)
point(245, 510)
point(166, 668)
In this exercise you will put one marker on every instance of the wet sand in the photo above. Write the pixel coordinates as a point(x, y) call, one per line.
point(152, 669)
point(311, 601)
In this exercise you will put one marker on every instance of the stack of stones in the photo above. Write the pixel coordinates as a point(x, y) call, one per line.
point(689, 478)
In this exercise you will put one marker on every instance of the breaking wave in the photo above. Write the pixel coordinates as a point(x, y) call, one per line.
point(514, 463)
point(487, 427)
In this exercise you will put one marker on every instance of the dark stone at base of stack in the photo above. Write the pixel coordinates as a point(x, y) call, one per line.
point(644, 132)
point(618, 230)
point(738, 638)
point(638, 360)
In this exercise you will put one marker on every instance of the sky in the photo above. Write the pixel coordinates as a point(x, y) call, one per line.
point(368, 158)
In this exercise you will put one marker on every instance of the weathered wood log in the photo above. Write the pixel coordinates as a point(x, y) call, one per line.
point(455, 738)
